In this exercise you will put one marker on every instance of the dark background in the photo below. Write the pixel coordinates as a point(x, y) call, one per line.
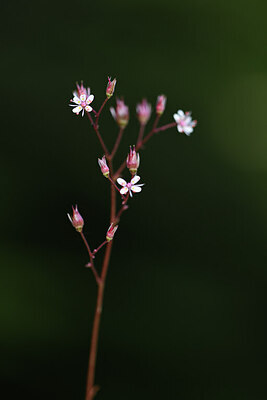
point(185, 304)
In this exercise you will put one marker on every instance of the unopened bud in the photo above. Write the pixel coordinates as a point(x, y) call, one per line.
point(110, 87)
point(161, 103)
point(111, 232)
point(76, 219)
point(133, 160)
point(121, 114)
point(103, 166)
point(143, 111)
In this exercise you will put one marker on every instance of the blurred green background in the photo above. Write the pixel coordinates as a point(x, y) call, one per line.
point(185, 304)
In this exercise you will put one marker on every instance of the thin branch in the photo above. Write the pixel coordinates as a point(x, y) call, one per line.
point(90, 388)
point(145, 140)
point(100, 110)
point(91, 257)
point(116, 187)
point(140, 135)
point(104, 147)
point(99, 247)
point(117, 143)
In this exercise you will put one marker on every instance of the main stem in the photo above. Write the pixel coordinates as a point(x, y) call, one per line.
point(91, 390)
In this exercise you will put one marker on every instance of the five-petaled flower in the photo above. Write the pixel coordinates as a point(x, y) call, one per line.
point(81, 99)
point(184, 122)
point(130, 186)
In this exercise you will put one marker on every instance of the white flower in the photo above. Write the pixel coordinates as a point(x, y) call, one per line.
point(184, 122)
point(82, 99)
point(130, 186)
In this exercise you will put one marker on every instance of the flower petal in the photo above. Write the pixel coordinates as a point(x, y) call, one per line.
point(77, 109)
point(90, 99)
point(135, 179)
point(180, 128)
point(76, 100)
point(176, 117)
point(181, 113)
point(188, 130)
point(124, 190)
point(83, 97)
point(88, 108)
point(121, 182)
point(136, 189)
point(113, 113)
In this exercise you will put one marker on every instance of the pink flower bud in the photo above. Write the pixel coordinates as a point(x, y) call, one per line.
point(81, 90)
point(133, 161)
point(121, 114)
point(103, 166)
point(161, 103)
point(110, 87)
point(143, 111)
point(111, 232)
point(76, 220)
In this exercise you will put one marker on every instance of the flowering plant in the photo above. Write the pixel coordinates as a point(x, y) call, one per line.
point(81, 103)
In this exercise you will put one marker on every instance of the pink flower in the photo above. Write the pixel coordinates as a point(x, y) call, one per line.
point(130, 186)
point(81, 99)
point(111, 232)
point(161, 103)
point(184, 122)
point(133, 160)
point(103, 165)
point(76, 220)
point(143, 111)
point(110, 87)
point(121, 114)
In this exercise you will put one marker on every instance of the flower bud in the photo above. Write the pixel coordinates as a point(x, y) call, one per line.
point(111, 232)
point(143, 111)
point(76, 220)
point(133, 161)
point(161, 103)
point(81, 90)
point(121, 114)
point(110, 87)
point(103, 166)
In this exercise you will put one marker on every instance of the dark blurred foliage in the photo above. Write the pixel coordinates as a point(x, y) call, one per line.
point(185, 304)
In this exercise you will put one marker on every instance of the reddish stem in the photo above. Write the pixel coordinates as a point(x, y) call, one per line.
point(117, 143)
point(141, 134)
point(90, 388)
point(91, 256)
point(114, 184)
point(100, 110)
point(99, 247)
point(104, 147)
point(118, 216)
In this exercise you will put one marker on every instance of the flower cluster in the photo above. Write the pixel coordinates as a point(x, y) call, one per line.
point(82, 98)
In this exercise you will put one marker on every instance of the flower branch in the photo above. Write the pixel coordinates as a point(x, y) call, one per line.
point(82, 98)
